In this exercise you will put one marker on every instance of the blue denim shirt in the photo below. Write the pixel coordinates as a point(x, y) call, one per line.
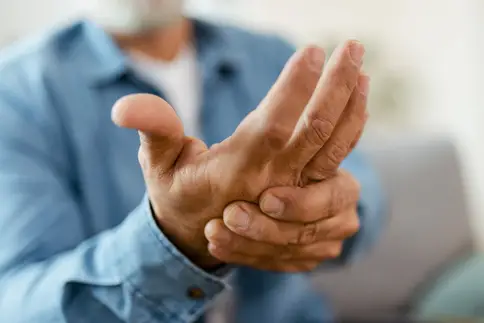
point(77, 240)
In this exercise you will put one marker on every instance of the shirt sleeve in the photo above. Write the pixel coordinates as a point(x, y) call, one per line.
point(51, 270)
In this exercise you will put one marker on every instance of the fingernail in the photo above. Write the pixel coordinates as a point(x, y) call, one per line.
point(272, 205)
point(357, 51)
point(237, 218)
point(364, 85)
point(316, 57)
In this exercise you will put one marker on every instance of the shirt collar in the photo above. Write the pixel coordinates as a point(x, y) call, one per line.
point(217, 53)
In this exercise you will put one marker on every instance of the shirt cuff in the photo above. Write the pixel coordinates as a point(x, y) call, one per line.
point(157, 270)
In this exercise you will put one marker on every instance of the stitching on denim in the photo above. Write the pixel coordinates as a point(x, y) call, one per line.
point(158, 308)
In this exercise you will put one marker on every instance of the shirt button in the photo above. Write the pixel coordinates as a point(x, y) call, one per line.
point(195, 293)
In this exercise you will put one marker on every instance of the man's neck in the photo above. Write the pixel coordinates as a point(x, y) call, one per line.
point(159, 44)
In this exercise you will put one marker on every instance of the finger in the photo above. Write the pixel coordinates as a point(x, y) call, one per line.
point(267, 264)
point(247, 220)
point(340, 227)
point(313, 202)
point(267, 129)
point(227, 242)
point(161, 131)
point(345, 136)
point(330, 99)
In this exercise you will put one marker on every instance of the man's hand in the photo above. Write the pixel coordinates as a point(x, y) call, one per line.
point(297, 228)
point(189, 184)
point(306, 226)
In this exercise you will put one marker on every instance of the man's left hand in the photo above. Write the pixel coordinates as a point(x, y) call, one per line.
point(295, 228)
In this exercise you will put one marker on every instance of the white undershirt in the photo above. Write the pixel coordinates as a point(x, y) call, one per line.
point(179, 80)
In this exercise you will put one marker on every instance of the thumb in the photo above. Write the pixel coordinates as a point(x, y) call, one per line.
point(160, 129)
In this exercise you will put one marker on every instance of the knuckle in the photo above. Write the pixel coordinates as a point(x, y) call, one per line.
point(320, 171)
point(275, 135)
point(286, 252)
point(334, 250)
point(354, 226)
point(308, 233)
point(348, 227)
point(318, 129)
point(336, 153)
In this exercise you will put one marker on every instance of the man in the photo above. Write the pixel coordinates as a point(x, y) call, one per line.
point(77, 245)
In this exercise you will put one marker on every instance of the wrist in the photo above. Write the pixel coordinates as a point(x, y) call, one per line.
point(191, 242)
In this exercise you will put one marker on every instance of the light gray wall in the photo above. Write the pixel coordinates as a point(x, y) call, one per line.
point(18, 17)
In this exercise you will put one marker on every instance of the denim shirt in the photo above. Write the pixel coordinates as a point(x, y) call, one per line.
point(78, 242)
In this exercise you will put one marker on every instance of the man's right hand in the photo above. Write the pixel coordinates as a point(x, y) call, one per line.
point(190, 184)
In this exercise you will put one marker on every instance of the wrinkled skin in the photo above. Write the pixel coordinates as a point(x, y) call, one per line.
point(298, 135)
